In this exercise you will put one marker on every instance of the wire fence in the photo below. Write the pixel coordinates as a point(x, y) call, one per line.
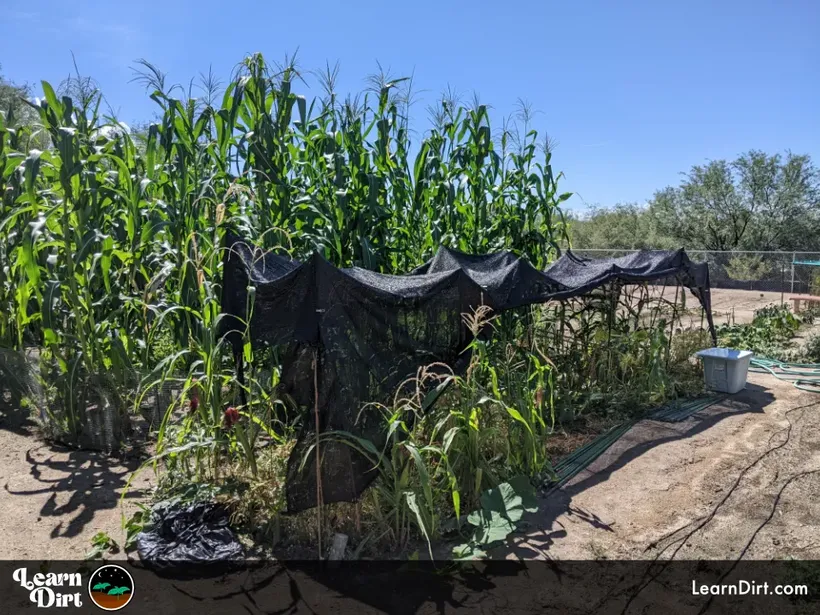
point(793, 273)
point(745, 281)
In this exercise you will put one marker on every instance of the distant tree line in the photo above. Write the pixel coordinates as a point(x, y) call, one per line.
point(756, 202)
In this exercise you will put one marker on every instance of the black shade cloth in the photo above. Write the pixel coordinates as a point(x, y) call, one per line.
point(369, 332)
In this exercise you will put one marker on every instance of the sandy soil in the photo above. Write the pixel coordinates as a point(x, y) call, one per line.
point(729, 306)
point(735, 306)
point(735, 480)
point(738, 306)
point(55, 499)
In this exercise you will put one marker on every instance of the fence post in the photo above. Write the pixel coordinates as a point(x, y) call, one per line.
point(794, 255)
point(782, 282)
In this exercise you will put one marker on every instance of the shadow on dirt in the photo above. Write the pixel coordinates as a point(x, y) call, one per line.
point(642, 438)
point(90, 479)
point(364, 587)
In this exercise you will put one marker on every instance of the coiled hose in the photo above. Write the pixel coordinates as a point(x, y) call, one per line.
point(804, 376)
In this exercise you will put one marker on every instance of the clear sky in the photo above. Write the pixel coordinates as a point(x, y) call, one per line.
point(633, 92)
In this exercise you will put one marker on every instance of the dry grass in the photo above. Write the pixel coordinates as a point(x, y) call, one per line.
point(580, 433)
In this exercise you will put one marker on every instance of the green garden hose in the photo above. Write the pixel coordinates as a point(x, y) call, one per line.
point(804, 376)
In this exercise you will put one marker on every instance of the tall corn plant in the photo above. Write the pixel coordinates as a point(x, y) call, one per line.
point(76, 203)
point(108, 237)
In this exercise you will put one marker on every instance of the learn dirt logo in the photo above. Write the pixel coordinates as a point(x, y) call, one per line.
point(111, 587)
point(51, 589)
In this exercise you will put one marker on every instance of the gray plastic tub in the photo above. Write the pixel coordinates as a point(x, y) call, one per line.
point(724, 369)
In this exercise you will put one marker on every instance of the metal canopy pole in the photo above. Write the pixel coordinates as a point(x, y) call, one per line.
point(782, 282)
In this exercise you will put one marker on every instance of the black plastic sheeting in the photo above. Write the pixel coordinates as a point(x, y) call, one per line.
point(181, 535)
point(369, 332)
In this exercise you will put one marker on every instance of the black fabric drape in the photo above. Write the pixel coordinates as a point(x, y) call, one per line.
point(373, 331)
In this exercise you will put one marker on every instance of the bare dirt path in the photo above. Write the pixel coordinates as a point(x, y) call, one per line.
point(730, 306)
point(54, 499)
point(742, 478)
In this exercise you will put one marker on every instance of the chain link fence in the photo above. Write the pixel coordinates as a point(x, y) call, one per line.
point(793, 273)
point(743, 281)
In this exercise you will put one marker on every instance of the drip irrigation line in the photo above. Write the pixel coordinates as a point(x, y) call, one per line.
point(703, 521)
point(775, 504)
point(582, 457)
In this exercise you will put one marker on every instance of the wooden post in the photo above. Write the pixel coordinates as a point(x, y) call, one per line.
point(672, 323)
point(316, 451)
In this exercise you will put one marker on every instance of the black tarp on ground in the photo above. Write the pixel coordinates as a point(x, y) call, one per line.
point(370, 331)
point(181, 537)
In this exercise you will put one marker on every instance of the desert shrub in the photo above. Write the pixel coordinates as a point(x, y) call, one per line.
point(811, 349)
point(747, 268)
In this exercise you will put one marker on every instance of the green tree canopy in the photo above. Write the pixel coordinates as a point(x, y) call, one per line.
point(756, 202)
point(20, 117)
point(625, 226)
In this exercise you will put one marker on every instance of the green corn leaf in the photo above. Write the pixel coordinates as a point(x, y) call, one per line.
point(412, 504)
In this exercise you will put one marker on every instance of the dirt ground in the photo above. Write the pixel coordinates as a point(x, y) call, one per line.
point(55, 499)
point(729, 306)
point(736, 306)
point(739, 479)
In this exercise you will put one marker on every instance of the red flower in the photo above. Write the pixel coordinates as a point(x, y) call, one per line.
point(231, 417)
point(194, 401)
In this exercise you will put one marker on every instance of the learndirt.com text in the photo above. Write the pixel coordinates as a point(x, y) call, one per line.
point(749, 588)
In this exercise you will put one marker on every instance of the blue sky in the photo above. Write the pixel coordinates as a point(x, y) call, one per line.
point(633, 92)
